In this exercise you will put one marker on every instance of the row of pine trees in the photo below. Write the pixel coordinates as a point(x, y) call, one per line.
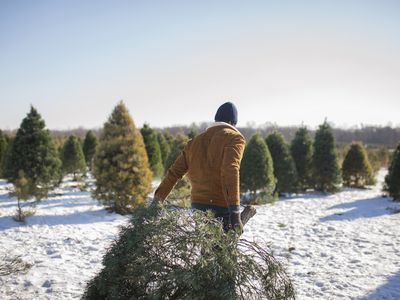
point(124, 160)
point(272, 167)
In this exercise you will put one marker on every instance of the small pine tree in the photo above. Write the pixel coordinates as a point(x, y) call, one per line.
point(73, 159)
point(392, 179)
point(23, 191)
point(256, 169)
point(383, 154)
point(169, 138)
point(3, 150)
point(120, 164)
point(178, 145)
point(180, 195)
point(301, 150)
point(356, 168)
point(193, 132)
point(89, 147)
point(326, 170)
point(284, 167)
point(34, 152)
point(81, 143)
point(153, 150)
point(164, 147)
point(6, 157)
point(378, 157)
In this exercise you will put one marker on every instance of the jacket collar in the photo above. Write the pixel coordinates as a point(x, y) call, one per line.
point(215, 124)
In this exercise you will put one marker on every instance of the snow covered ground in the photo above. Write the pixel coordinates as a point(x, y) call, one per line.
point(342, 246)
point(65, 241)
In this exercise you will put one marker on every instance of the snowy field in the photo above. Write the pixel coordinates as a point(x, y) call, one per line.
point(342, 246)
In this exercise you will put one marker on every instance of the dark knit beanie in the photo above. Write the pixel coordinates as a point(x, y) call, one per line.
point(227, 112)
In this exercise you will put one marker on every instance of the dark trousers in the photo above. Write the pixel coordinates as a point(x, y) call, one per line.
point(221, 213)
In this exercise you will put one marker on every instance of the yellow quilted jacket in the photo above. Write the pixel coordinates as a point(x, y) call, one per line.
point(212, 163)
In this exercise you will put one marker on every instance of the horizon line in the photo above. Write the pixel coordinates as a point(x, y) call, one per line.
point(247, 125)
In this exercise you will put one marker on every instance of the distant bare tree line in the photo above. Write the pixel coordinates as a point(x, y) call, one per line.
point(369, 135)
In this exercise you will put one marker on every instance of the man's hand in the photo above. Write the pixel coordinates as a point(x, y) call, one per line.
point(236, 222)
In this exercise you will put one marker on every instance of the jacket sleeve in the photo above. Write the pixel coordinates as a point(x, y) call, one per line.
point(174, 173)
point(230, 168)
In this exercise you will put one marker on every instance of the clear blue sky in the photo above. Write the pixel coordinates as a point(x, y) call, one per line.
point(175, 62)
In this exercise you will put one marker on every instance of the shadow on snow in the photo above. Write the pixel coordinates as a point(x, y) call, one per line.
point(70, 199)
point(360, 208)
point(305, 196)
point(389, 290)
point(76, 218)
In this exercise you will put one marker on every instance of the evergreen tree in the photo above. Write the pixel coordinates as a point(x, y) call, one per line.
point(3, 150)
point(7, 138)
point(59, 143)
point(193, 132)
point(6, 157)
point(120, 164)
point(356, 168)
point(378, 157)
point(284, 167)
point(169, 138)
point(164, 147)
point(392, 179)
point(327, 177)
point(89, 147)
point(177, 147)
point(34, 153)
point(153, 150)
point(23, 192)
point(73, 159)
point(256, 169)
point(301, 150)
point(180, 195)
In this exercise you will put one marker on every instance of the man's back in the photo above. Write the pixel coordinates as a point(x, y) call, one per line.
point(206, 163)
point(212, 162)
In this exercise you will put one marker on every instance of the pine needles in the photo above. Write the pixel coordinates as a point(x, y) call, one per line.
point(177, 254)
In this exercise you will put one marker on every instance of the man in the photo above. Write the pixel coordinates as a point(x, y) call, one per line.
point(212, 163)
